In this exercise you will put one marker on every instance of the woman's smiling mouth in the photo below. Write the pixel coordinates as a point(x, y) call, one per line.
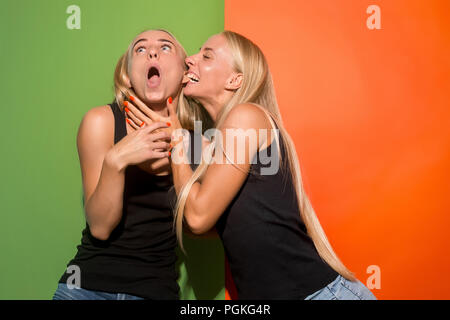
point(193, 77)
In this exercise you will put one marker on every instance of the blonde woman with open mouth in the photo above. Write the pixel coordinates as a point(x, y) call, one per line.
point(128, 246)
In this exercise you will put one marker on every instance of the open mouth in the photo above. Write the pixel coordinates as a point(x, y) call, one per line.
point(193, 77)
point(152, 72)
point(153, 76)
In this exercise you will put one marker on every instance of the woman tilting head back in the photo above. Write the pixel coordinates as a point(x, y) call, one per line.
point(164, 79)
point(128, 246)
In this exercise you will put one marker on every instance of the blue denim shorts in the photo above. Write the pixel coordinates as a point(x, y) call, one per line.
point(343, 289)
point(64, 293)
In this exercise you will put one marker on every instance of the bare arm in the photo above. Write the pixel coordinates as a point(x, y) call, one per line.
point(103, 165)
point(208, 199)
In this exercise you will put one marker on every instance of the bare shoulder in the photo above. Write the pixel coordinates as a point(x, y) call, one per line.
point(101, 115)
point(97, 124)
point(247, 116)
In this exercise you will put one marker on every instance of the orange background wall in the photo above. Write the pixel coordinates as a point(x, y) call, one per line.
point(369, 113)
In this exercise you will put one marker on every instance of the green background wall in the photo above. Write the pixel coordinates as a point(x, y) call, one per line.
point(51, 77)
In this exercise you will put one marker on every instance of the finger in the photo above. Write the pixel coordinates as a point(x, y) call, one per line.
point(171, 108)
point(159, 155)
point(135, 114)
point(146, 110)
point(161, 146)
point(161, 135)
point(131, 123)
point(155, 125)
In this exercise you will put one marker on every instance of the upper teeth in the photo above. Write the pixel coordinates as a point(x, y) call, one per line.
point(193, 77)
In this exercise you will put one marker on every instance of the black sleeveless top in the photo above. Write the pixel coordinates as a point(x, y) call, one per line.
point(139, 256)
point(270, 253)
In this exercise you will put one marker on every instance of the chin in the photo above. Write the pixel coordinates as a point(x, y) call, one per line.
point(190, 91)
point(155, 97)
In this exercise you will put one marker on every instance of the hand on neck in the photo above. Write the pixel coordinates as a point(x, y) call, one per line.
point(159, 108)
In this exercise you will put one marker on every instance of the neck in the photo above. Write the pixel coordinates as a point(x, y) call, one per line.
point(212, 108)
point(215, 104)
point(161, 108)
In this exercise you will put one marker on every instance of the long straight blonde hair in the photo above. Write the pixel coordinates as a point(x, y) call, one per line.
point(257, 88)
point(188, 109)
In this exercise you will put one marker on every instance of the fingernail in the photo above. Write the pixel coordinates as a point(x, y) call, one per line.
point(127, 110)
point(128, 121)
point(142, 124)
point(131, 98)
point(168, 124)
point(170, 100)
point(169, 153)
point(125, 103)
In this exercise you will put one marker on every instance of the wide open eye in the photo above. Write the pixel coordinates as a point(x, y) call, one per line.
point(140, 49)
point(166, 47)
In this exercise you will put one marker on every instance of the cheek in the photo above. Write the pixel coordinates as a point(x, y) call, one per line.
point(214, 79)
point(135, 72)
point(174, 76)
point(179, 72)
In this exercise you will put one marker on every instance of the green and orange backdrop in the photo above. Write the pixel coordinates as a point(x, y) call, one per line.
point(368, 110)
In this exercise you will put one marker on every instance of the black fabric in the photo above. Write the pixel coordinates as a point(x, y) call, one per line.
point(269, 252)
point(139, 256)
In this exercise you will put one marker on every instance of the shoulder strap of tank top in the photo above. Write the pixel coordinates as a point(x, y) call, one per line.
point(120, 129)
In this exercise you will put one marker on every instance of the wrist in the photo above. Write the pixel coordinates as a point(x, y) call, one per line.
point(114, 161)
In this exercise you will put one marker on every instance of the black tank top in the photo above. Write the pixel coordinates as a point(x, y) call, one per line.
point(139, 256)
point(270, 253)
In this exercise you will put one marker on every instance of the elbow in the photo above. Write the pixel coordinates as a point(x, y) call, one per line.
point(197, 231)
point(100, 233)
point(100, 227)
point(197, 225)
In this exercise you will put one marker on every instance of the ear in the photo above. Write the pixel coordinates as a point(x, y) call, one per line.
point(234, 82)
point(127, 82)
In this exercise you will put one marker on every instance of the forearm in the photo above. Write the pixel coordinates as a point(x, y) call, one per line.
point(104, 208)
point(200, 207)
point(181, 169)
point(182, 172)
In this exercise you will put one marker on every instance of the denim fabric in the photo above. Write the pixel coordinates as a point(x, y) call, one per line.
point(64, 293)
point(343, 289)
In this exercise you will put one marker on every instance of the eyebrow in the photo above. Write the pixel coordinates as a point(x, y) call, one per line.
point(138, 42)
point(206, 49)
point(161, 40)
point(165, 40)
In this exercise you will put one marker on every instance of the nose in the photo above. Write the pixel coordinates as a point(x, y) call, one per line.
point(189, 61)
point(153, 54)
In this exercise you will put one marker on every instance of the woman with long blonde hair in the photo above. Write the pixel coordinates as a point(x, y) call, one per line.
point(128, 246)
point(274, 242)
